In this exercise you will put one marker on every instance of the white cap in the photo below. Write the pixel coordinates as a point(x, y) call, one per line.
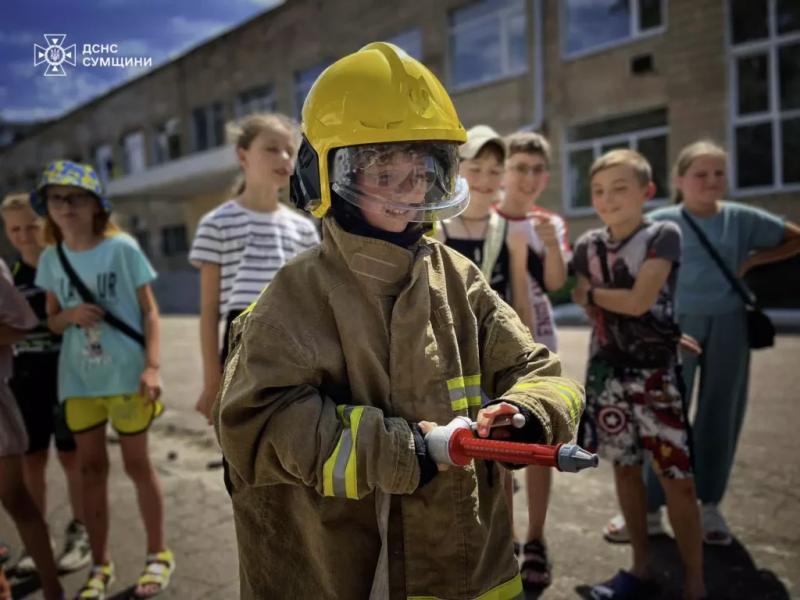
point(477, 137)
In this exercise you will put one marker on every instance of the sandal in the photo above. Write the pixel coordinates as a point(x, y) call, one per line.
point(100, 579)
point(535, 569)
point(158, 569)
point(616, 532)
point(624, 586)
point(715, 529)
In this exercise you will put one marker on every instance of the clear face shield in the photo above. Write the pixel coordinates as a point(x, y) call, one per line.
point(414, 182)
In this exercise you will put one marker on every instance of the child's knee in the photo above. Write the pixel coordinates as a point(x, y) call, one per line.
point(139, 469)
point(94, 470)
point(682, 488)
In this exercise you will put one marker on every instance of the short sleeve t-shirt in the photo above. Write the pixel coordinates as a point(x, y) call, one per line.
point(624, 338)
point(735, 231)
point(250, 247)
point(40, 341)
point(101, 360)
point(544, 330)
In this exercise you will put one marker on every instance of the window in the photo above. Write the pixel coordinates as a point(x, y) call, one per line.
point(132, 147)
point(257, 99)
point(410, 41)
point(303, 80)
point(643, 132)
point(173, 240)
point(104, 162)
point(167, 142)
point(592, 25)
point(209, 126)
point(764, 64)
point(488, 41)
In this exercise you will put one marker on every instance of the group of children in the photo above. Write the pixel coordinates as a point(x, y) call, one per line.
point(336, 366)
point(82, 319)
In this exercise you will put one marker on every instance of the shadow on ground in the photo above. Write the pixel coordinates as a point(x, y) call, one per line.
point(730, 572)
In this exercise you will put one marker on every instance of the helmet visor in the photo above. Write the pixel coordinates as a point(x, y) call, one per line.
point(410, 181)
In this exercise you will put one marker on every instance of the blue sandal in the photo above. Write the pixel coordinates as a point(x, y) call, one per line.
point(624, 586)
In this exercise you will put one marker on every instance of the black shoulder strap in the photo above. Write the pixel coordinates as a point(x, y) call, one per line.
point(87, 296)
point(747, 296)
point(602, 254)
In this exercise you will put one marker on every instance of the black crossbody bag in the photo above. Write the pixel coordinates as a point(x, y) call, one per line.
point(88, 297)
point(760, 330)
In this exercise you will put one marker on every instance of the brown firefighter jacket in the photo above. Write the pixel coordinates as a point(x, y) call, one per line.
point(350, 342)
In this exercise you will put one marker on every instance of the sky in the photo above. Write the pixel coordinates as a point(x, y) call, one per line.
point(157, 29)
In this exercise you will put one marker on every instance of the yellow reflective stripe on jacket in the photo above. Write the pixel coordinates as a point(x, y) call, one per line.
point(464, 392)
point(510, 590)
point(567, 393)
point(340, 471)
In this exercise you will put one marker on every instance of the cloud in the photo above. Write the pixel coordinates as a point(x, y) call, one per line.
point(52, 96)
point(19, 38)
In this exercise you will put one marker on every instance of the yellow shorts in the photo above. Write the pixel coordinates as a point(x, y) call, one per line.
point(130, 414)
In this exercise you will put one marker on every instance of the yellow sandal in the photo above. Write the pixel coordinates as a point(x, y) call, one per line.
point(158, 569)
point(100, 579)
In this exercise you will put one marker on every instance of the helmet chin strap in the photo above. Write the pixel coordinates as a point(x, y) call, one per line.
point(351, 219)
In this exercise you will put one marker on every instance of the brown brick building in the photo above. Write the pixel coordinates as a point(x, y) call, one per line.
point(591, 74)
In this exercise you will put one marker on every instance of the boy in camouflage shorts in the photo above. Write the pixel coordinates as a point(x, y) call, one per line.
point(626, 274)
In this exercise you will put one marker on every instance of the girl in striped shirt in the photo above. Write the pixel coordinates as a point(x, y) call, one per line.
point(241, 244)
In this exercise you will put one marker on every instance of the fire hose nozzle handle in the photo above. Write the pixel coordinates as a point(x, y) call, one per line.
point(438, 440)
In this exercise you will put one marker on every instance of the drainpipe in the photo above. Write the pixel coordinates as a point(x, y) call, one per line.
point(538, 69)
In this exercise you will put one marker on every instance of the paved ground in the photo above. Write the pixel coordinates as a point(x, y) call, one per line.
point(763, 505)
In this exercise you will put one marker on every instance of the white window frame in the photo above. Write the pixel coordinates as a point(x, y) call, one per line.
point(211, 134)
point(501, 18)
point(170, 126)
point(773, 115)
point(596, 144)
point(102, 153)
point(266, 102)
point(636, 33)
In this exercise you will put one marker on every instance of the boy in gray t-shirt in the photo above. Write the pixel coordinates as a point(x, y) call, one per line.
point(626, 275)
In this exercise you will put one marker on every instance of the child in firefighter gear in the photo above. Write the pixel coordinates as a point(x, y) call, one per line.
point(360, 346)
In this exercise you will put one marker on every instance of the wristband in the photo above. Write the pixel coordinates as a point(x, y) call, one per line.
point(590, 297)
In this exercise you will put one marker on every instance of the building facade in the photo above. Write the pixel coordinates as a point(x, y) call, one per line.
point(653, 75)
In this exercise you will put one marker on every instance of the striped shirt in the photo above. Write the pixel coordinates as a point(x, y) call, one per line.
point(250, 247)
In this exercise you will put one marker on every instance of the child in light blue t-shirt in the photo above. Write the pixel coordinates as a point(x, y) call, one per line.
point(105, 373)
point(100, 360)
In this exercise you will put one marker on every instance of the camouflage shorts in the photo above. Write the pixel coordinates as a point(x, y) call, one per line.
point(633, 411)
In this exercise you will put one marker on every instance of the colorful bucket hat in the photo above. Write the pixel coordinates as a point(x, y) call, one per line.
point(65, 172)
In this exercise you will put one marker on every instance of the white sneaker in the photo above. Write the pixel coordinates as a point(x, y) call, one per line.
point(25, 565)
point(77, 553)
point(615, 530)
point(715, 529)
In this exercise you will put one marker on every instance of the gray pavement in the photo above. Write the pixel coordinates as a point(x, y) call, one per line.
point(762, 506)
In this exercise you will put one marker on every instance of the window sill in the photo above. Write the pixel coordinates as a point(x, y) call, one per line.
point(650, 33)
point(468, 87)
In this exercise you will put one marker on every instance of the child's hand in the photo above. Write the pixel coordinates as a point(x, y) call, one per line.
point(205, 403)
point(546, 231)
point(86, 315)
point(150, 384)
point(580, 293)
point(689, 344)
point(425, 427)
point(488, 415)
